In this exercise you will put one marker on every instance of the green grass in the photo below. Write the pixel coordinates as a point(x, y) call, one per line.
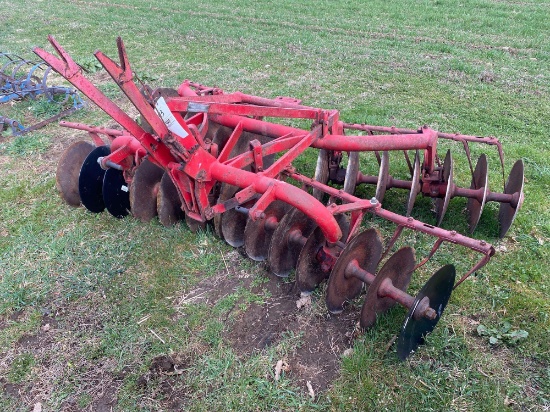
point(111, 288)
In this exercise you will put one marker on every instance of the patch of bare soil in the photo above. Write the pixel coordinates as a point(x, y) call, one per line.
point(164, 379)
point(323, 338)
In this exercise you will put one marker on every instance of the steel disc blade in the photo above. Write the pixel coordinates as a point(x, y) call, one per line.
point(68, 169)
point(438, 290)
point(257, 237)
point(115, 193)
point(352, 169)
point(447, 177)
point(366, 248)
point(507, 212)
point(398, 269)
point(90, 180)
point(311, 269)
point(321, 172)
point(415, 184)
point(144, 190)
point(383, 175)
point(284, 249)
point(226, 192)
point(194, 225)
point(480, 180)
point(233, 224)
point(168, 202)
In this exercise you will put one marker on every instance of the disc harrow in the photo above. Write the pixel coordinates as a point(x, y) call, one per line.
point(20, 79)
point(207, 156)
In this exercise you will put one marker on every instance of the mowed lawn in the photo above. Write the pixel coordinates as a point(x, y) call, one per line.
point(102, 314)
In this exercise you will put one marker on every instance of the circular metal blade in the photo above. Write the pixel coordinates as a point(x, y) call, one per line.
point(447, 177)
point(283, 252)
point(416, 184)
point(226, 192)
point(438, 289)
point(398, 268)
point(507, 213)
point(480, 179)
point(90, 180)
point(257, 237)
point(350, 181)
point(233, 224)
point(194, 225)
point(366, 248)
point(321, 172)
point(383, 176)
point(144, 190)
point(168, 202)
point(115, 193)
point(68, 168)
point(311, 269)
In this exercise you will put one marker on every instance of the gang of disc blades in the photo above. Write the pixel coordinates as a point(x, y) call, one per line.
point(68, 169)
point(507, 213)
point(438, 290)
point(144, 190)
point(257, 237)
point(90, 180)
point(398, 268)
point(168, 202)
point(283, 252)
point(115, 193)
point(441, 205)
point(415, 184)
point(366, 248)
point(352, 169)
point(309, 270)
point(383, 176)
point(480, 180)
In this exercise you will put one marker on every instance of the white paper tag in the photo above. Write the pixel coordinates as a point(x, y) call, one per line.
point(169, 119)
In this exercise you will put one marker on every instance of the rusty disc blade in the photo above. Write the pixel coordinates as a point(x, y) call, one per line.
point(115, 193)
point(257, 236)
point(321, 172)
point(398, 268)
point(144, 190)
point(312, 268)
point(480, 180)
point(438, 290)
point(441, 205)
point(514, 185)
point(415, 184)
point(226, 192)
point(194, 225)
point(352, 169)
point(168, 202)
point(365, 248)
point(383, 176)
point(233, 224)
point(68, 169)
point(90, 180)
point(286, 242)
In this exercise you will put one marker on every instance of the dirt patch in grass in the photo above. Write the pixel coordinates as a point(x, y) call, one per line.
point(163, 377)
point(321, 338)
